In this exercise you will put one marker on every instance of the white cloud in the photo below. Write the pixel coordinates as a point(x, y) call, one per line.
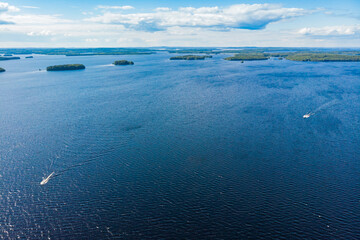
point(91, 40)
point(331, 30)
point(115, 7)
point(30, 7)
point(162, 9)
point(5, 7)
point(188, 26)
point(41, 33)
point(28, 19)
point(242, 16)
point(87, 13)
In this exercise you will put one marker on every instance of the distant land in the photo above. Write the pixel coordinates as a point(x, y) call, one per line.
point(105, 53)
point(77, 51)
point(304, 56)
point(2, 70)
point(65, 67)
point(239, 54)
point(191, 57)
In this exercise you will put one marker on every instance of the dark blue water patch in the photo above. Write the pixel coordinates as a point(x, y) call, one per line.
point(190, 150)
point(332, 92)
point(325, 124)
point(293, 75)
point(255, 110)
point(352, 71)
point(132, 127)
point(282, 85)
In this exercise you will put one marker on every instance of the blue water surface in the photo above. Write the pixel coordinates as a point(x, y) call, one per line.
point(179, 149)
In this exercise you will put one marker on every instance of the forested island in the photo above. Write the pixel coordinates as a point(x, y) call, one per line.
point(2, 70)
point(8, 58)
point(304, 56)
point(29, 57)
point(65, 67)
point(191, 57)
point(323, 57)
point(123, 62)
point(248, 57)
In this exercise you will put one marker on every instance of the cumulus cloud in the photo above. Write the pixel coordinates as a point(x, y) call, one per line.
point(5, 7)
point(331, 30)
point(115, 7)
point(242, 16)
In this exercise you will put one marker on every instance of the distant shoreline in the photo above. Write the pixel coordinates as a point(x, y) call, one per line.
point(239, 54)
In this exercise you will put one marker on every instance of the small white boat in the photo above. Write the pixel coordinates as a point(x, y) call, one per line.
point(46, 180)
point(308, 115)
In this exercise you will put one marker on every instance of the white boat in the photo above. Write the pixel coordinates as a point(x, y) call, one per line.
point(308, 115)
point(46, 180)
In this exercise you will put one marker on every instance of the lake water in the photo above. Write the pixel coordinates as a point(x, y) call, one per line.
point(179, 149)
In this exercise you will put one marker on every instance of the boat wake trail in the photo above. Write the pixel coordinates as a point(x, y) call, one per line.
point(88, 161)
point(324, 106)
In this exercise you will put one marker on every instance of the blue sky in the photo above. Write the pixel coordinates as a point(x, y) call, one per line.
point(132, 23)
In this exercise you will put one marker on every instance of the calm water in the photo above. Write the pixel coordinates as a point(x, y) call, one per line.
point(179, 149)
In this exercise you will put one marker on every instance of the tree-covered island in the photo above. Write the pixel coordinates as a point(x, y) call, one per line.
point(65, 67)
point(191, 57)
point(2, 70)
point(322, 57)
point(123, 62)
point(8, 58)
point(248, 57)
point(303, 56)
point(29, 57)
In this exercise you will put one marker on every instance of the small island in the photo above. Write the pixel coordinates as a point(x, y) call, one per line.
point(29, 57)
point(248, 57)
point(2, 70)
point(65, 67)
point(191, 57)
point(323, 57)
point(7, 55)
point(8, 58)
point(123, 62)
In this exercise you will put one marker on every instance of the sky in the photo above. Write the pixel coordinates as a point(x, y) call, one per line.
point(197, 23)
